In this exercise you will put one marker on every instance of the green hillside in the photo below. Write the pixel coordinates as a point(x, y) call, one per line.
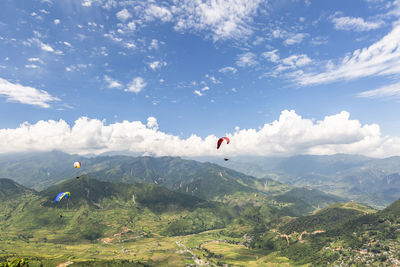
point(10, 189)
point(327, 218)
point(119, 224)
point(102, 210)
point(341, 234)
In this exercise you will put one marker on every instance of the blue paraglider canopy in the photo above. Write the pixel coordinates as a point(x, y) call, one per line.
point(62, 195)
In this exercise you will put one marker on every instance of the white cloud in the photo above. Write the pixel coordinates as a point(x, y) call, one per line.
point(205, 88)
point(25, 94)
point(87, 3)
point(112, 83)
point(290, 38)
point(293, 62)
point(296, 60)
point(394, 8)
point(31, 66)
point(131, 26)
point(384, 91)
point(158, 12)
point(278, 33)
point(271, 55)
point(123, 15)
point(259, 40)
point(43, 46)
point(197, 92)
point(67, 44)
point(46, 47)
point(35, 59)
point(108, 4)
point(155, 65)
point(295, 38)
point(381, 58)
point(153, 44)
point(228, 69)
point(56, 21)
point(225, 19)
point(290, 134)
point(356, 24)
point(113, 36)
point(136, 85)
point(246, 60)
point(212, 79)
point(319, 40)
point(78, 67)
point(152, 123)
point(130, 45)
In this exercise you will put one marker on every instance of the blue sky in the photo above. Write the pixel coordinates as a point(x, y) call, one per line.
point(203, 68)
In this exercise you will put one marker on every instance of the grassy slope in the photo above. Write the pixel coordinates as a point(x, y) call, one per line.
point(105, 224)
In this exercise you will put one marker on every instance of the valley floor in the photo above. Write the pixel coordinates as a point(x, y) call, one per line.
point(208, 248)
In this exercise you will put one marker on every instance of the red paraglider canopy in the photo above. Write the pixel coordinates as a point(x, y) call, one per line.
point(222, 140)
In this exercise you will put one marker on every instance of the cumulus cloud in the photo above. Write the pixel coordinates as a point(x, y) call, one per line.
point(152, 123)
point(290, 134)
point(154, 44)
point(155, 65)
point(379, 59)
point(271, 55)
point(25, 94)
point(212, 79)
point(136, 85)
point(355, 24)
point(158, 12)
point(130, 45)
point(31, 66)
point(198, 92)
point(44, 46)
point(87, 3)
point(131, 26)
point(297, 60)
point(247, 59)
point(225, 19)
point(228, 69)
point(319, 40)
point(123, 15)
point(384, 91)
point(112, 83)
point(35, 59)
point(291, 63)
point(295, 38)
point(290, 37)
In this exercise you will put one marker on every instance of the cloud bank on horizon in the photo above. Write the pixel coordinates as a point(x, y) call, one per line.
point(289, 135)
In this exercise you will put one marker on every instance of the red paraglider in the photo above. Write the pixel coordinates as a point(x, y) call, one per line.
point(222, 140)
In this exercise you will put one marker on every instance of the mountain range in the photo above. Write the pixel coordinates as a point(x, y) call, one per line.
point(371, 181)
point(207, 181)
point(146, 211)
